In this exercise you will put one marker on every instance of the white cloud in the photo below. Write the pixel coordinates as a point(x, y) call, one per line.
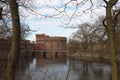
point(50, 26)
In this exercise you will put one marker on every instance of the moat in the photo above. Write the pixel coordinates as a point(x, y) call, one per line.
point(62, 69)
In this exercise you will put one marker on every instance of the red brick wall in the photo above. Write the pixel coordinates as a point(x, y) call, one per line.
point(51, 43)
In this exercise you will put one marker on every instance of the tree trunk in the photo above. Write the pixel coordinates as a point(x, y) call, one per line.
point(111, 38)
point(15, 50)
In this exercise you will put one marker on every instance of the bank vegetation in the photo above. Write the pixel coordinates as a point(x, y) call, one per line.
point(91, 40)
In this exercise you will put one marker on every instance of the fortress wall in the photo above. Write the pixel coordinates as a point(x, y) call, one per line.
point(52, 44)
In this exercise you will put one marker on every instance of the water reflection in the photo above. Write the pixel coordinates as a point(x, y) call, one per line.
point(63, 69)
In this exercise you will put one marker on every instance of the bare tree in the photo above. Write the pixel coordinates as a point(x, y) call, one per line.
point(15, 50)
point(89, 35)
point(25, 30)
point(111, 37)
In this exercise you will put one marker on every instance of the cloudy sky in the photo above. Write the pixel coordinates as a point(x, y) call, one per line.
point(56, 26)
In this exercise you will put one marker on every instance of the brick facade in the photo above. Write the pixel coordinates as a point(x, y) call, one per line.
point(6, 44)
point(51, 46)
point(45, 46)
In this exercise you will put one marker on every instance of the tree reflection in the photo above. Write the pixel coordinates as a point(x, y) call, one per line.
point(85, 67)
point(60, 69)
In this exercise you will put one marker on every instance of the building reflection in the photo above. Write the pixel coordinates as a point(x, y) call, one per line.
point(58, 69)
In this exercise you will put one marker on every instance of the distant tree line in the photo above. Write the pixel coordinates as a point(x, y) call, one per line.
point(92, 38)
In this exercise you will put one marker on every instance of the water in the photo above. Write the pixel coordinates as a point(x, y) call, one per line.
point(62, 69)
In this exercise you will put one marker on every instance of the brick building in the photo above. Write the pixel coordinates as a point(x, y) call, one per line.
point(5, 47)
point(50, 46)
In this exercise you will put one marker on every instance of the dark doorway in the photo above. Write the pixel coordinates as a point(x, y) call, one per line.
point(56, 54)
point(33, 55)
point(44, 55)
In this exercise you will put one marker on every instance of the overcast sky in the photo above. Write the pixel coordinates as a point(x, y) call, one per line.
point(56, 26)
